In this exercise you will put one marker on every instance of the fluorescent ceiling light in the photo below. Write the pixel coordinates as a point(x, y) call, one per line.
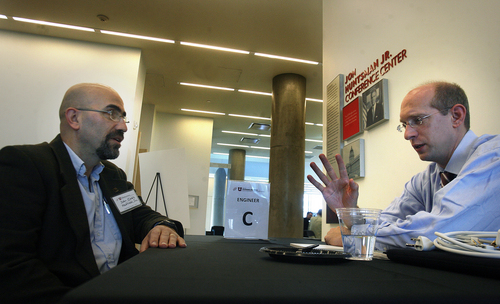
point(239, 90)
point(214, 47)
point(205, 86)
point(319, 125)
point(3, 17)
point(205, 112)
point(256, 92)
point(231, 145)
point(314, 140)
point(286, 58)
point(265, 135)
point(241, 133)
point(312, 99)
point(252, 117)
point(218, 153)
point(308, 152)
point(262, 148)
point(137, 36)
point(309, 123)
point(79, 28)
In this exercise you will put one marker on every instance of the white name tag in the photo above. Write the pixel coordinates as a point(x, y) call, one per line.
point(126, 201)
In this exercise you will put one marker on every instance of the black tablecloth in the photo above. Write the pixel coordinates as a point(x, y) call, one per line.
point(217, 270)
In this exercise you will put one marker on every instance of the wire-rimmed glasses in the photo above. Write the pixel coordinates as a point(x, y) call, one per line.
point(114, 115)
point(415, 122)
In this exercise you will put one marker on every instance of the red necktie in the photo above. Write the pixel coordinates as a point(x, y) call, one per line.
point(446, 177)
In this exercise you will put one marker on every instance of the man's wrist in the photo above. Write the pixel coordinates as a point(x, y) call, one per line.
point(167, 223)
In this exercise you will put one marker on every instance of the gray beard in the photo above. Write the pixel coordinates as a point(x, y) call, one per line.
point(106, 150)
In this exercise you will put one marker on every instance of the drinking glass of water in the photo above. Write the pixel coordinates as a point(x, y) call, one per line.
point(358, 227)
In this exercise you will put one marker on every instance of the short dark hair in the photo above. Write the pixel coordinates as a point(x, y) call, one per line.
point(446, 95)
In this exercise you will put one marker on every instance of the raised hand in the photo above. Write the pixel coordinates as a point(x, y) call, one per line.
point(338, 192)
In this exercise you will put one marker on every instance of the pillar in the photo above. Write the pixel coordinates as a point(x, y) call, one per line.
point(287, 157)
point(219, 195)
point(237, 162)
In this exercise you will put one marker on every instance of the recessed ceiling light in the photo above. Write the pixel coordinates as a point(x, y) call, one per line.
point(205, 112)
point(214, 47)
point(137, 36)
point(262, 148)
point(79, 28)
point(249, 140)
point(205, 86)
point(246, 116)
point(312, 99)
point(240, 133)
point(286, 58)
point(260, 126)
point(255, 92)
point(232, 145)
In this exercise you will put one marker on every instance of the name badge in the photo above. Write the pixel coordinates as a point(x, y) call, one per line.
point(126, 201)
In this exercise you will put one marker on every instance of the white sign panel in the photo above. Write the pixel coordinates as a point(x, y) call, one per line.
point(247, 210)
point(170, 184)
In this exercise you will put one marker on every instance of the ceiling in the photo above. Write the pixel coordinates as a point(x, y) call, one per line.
point(291, 28)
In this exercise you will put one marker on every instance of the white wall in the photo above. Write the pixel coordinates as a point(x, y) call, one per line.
point(36, 71)
point(451, 40)
point(194, 134)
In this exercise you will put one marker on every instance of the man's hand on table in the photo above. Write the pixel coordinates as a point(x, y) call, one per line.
point(333, 237)
point(163, 237)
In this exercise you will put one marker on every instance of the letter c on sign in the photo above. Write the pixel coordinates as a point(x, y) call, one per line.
point(245, 218)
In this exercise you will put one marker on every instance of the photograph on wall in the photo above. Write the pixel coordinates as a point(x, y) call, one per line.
point(331, 216)
point(354, 158)
point(376, 104)
point(351, 119)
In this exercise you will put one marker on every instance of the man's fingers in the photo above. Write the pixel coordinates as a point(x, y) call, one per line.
point(315, 183)
point(320, 174)
point(328, 167)
point(342, 168)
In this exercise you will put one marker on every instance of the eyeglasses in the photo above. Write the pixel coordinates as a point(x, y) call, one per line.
point(414, 122)
point(114, 115)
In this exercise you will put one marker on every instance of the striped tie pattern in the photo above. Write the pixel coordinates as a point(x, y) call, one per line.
point(446, 177)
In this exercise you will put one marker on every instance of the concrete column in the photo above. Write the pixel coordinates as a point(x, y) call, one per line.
point(237, 162)
point(219, 195)
point(286, 165)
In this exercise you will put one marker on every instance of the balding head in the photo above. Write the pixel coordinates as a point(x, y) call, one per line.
point(82, 95)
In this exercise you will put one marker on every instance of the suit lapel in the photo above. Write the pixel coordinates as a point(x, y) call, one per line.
point(75, 208)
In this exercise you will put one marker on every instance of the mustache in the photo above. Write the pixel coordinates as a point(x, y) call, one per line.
point(116, 134)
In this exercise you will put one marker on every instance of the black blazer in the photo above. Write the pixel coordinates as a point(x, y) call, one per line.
point(45, 247)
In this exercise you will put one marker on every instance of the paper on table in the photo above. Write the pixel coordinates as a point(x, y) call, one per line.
point(320, 247)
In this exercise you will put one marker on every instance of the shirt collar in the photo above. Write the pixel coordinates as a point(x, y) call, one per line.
point(461, 153)
point(80, 165)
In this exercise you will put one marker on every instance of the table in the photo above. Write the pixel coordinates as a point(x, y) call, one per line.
point(217, 270)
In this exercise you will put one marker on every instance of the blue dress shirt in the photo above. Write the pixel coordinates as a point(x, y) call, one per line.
point(468, 203)
point(105, 236)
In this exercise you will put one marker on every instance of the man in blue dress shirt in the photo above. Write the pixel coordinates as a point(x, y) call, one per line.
point(435, 120)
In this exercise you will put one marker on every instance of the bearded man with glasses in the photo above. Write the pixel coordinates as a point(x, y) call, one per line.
point(457, 192)
point(61, 222)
